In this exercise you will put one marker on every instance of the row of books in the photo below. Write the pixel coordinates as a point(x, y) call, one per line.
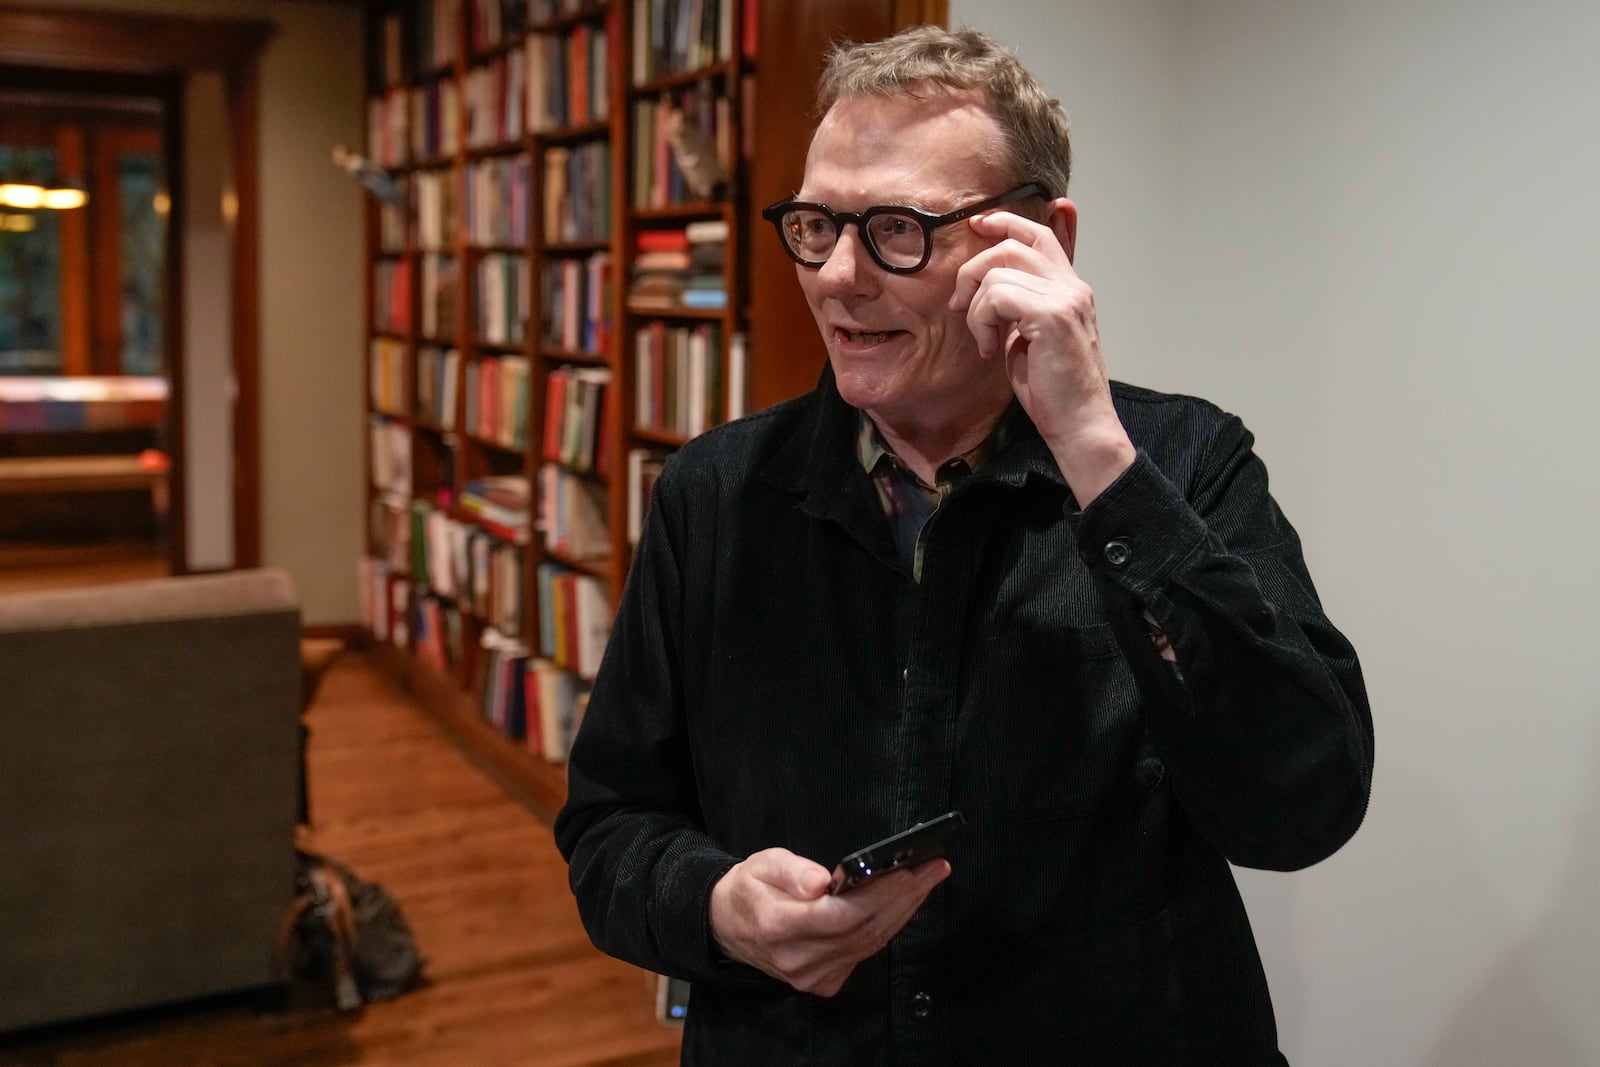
point(682, 382)
point(679, 36)
point(388, 63)
point(500, 684)
point(572, 514)
point(437, 368)
point(492, 23)
point(576, 403)
point(390, 523)
point(559, 80)
point(556, 700)
point(693, 126)
point(678, 380)
point(391, 295)
point(577, 201)
point(568, 83)
point(496, 395)
point(493, 95)
point(501, 298)
point(680, 267)
point(435, 627)
point(434, 23)
point(528, 699)
point(498, 193)
point(389, 443)
point(544, 11)
point(438, 296)
point(575, 299)
point(394, 220)
point(467, 563)
point(574, 618)
point(385, 593)
point(435, 119)
point(386, 375)
point(422, 36)
point(644, 467)
point(388, 127)
point(499, 503)
point(436, 209)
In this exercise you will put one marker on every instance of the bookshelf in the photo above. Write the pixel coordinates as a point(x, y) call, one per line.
point(565, 282)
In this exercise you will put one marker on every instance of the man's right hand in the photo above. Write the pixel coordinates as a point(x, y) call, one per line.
point(773, 911)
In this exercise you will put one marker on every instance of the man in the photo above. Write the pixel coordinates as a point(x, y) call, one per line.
point(966, 572)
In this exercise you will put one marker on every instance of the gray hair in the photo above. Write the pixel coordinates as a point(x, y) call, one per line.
point(1034, 126)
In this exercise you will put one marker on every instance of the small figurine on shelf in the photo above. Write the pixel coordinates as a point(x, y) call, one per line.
point(696, 156)
point(379, 182)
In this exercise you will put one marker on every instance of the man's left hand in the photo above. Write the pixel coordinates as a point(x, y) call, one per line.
point(1026, 304)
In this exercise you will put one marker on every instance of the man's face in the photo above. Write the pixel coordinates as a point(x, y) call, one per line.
point(897, 349)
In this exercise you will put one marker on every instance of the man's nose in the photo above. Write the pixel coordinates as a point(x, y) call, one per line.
point(849, 267)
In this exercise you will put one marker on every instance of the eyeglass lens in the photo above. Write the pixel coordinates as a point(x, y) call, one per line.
point(898, 239)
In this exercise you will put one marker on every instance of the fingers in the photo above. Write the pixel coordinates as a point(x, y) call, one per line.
point(1020, 243)
point(773, 912)
point(790, 874)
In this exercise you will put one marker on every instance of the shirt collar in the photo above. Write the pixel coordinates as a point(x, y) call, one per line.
point(871, 448)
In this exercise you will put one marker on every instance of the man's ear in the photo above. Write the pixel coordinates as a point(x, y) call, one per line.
point(1062, 218)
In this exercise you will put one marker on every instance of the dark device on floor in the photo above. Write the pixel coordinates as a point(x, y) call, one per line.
point(908, 848)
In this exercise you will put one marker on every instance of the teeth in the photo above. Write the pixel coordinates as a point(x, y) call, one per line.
point(861, 337)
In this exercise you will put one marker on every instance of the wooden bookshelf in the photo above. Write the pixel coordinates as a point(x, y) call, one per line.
point(514, 340)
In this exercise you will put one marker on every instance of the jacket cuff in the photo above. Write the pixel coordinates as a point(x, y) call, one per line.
point(692, 945)
point(1139, 530)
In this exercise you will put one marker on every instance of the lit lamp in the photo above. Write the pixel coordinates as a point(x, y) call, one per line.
point(28, 196)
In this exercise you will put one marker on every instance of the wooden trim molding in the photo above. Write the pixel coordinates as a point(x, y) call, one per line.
point(77, 39)
point(122, 43)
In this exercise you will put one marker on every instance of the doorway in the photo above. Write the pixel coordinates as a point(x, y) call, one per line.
point(87, 273)
point(205, 70)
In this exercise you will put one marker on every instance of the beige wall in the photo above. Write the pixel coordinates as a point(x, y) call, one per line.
point(311, 295)
point(1369, 228)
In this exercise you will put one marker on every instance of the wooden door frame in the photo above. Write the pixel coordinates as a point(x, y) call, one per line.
point(118, 43)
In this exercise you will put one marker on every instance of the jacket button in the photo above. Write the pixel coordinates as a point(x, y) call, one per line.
point(922, 1005)
point(1264, 620)
point(1117, 552)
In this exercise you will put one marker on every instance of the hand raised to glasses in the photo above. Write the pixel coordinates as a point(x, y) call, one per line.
point(1025, 303)
point(773, 911)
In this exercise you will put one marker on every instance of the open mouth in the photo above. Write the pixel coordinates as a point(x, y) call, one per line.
point(868, 337)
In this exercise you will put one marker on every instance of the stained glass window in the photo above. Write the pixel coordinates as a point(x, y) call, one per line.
point(30, 271)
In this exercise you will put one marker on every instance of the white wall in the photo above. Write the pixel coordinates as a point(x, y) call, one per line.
point(210, 389)
point(311, 340)
point(1370, 228)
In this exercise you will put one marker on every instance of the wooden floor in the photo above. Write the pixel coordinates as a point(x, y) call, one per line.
point(514, 980)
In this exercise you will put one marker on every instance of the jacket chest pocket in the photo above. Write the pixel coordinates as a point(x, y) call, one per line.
point(1059, 722)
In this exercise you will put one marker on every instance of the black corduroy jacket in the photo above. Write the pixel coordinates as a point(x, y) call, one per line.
point(776, 678)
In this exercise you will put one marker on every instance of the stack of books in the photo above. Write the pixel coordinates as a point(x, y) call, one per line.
point(680, 268)
point(499, 503)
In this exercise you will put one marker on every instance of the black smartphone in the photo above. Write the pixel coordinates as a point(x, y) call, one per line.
point(907, 848)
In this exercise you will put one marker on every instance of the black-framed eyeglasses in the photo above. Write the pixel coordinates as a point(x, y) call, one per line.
point(899, 239)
